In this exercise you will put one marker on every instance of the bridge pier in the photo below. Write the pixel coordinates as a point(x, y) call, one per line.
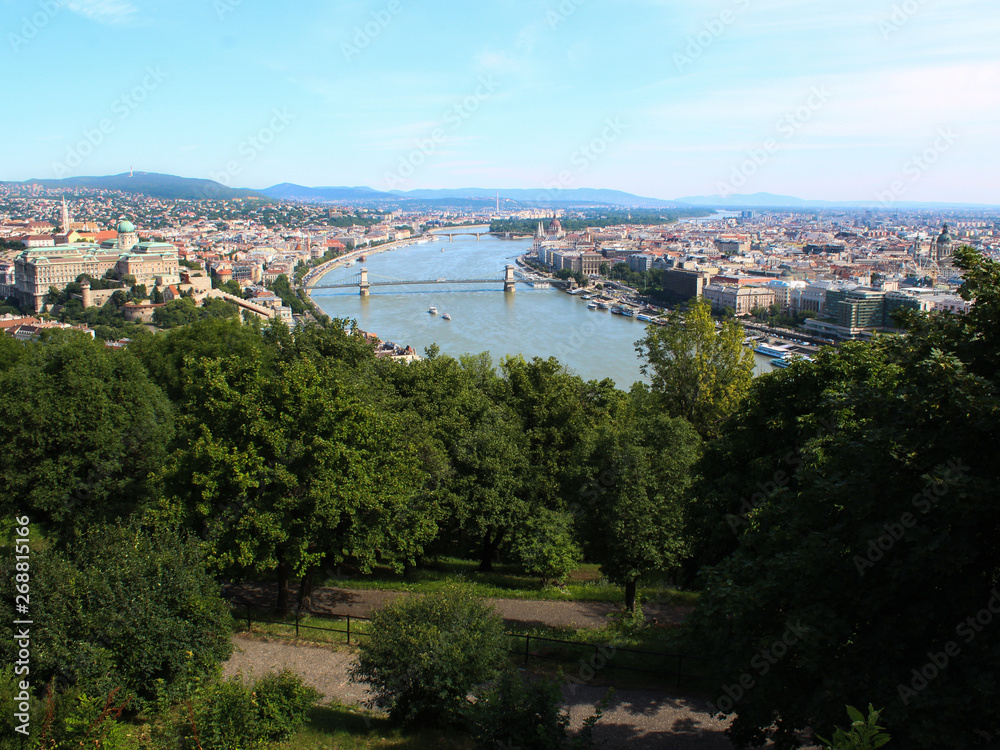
point(451, 238)
point(509, 282)
point(364, 286)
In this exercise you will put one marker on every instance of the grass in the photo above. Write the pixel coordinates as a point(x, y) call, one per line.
point(505, 582)
point(337, 727)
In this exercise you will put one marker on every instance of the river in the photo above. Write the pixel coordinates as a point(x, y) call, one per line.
point(530, 322)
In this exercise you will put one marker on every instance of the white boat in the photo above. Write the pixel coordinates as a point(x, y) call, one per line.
point(432, 310)
point(446, 316)
point(592, 306)
point(772, 350)
point(785, 361)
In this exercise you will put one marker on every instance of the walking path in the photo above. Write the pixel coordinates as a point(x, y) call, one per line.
point(635, 719)
point(361, 603)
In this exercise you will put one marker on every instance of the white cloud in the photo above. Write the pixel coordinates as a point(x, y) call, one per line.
point(110, 12)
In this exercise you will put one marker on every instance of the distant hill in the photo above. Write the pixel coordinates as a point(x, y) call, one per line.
point(152, 184)
point(583, 196)
point(290, 191)
point(770, 200)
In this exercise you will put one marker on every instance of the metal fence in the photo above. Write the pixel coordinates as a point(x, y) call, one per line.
point(660, 664)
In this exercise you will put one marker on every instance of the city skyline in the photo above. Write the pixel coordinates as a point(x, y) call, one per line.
point(853, 102)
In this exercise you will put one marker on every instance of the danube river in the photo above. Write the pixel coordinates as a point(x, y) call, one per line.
point(531, 322)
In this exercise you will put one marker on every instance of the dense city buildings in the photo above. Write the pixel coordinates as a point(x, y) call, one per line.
point(842, 273)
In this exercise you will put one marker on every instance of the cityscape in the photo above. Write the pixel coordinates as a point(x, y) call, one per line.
point(522, 375)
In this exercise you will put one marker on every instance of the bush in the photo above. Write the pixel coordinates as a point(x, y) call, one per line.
point(425, 654)
point(525, 713)
point(864, 733)
point(545, 547)
point(232, 715)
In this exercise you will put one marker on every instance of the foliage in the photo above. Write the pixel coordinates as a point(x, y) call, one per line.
point(232, 715)
point(283, 465)
point(632, 520)
point(89, 429)
point(123, 610)
point(858, 494)
point(289, 298)
point(426, 653)
point(177, 312)
point(698, 373)
point(864, 734)
point(522, 712)
point(545, 546)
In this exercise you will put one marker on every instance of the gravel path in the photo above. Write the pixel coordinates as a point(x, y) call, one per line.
point(635, 719)
point(522, 611)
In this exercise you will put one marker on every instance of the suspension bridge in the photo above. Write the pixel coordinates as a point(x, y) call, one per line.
point(364, 282)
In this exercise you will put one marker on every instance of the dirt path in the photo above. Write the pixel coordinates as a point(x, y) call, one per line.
point(635, 719)
point(526, 612)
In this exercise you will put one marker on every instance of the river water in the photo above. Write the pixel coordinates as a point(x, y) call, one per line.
point(530, 322)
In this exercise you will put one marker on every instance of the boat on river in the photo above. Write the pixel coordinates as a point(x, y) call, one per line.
point(446, 316)
point(432, 310)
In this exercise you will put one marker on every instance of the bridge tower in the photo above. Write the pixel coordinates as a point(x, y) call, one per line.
point(509, 282)
point(451, 238)
point(364, 286)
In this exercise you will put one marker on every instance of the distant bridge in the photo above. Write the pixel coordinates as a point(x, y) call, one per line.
point(364, 283)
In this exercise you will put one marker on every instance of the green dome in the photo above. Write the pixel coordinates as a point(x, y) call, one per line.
point(125, 226)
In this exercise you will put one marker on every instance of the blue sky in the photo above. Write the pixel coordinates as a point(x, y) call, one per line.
point(841, 101)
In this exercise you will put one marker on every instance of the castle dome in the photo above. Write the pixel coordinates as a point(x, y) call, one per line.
point(125, 226)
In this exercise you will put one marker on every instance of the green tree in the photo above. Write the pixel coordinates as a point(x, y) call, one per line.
point(863, 515)
point(632, 521)
point(698, 373)
point(426, 654)
point(86, 430)
point(285, 469)
point(124, 609)
point(177, 312)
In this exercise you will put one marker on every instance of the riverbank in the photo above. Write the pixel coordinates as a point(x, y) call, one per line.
point(319, 271)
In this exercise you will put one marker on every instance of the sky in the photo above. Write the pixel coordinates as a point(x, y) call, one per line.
point(854, 100)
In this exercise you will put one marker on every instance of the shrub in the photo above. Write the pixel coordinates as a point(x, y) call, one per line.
point(426, 653)
point(864, 733)
point(525, 713)
point(232, 715)
point(546, 548)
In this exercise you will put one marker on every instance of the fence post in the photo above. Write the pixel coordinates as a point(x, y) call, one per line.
point(527, 652)
point(348, 630)
point(296, 624)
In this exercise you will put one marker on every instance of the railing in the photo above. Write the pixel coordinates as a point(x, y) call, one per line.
point(680, 678)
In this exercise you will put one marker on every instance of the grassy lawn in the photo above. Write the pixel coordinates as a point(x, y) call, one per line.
point(336, 727)
point(505, 582)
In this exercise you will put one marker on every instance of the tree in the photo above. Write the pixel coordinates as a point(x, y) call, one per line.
point(285, 468)
point(124, 609)
point(86, 429)
point(426, 654)
point(546, 547)
point(633, 519)
point(866, 537)
point(698, 373)
point(177, 312)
